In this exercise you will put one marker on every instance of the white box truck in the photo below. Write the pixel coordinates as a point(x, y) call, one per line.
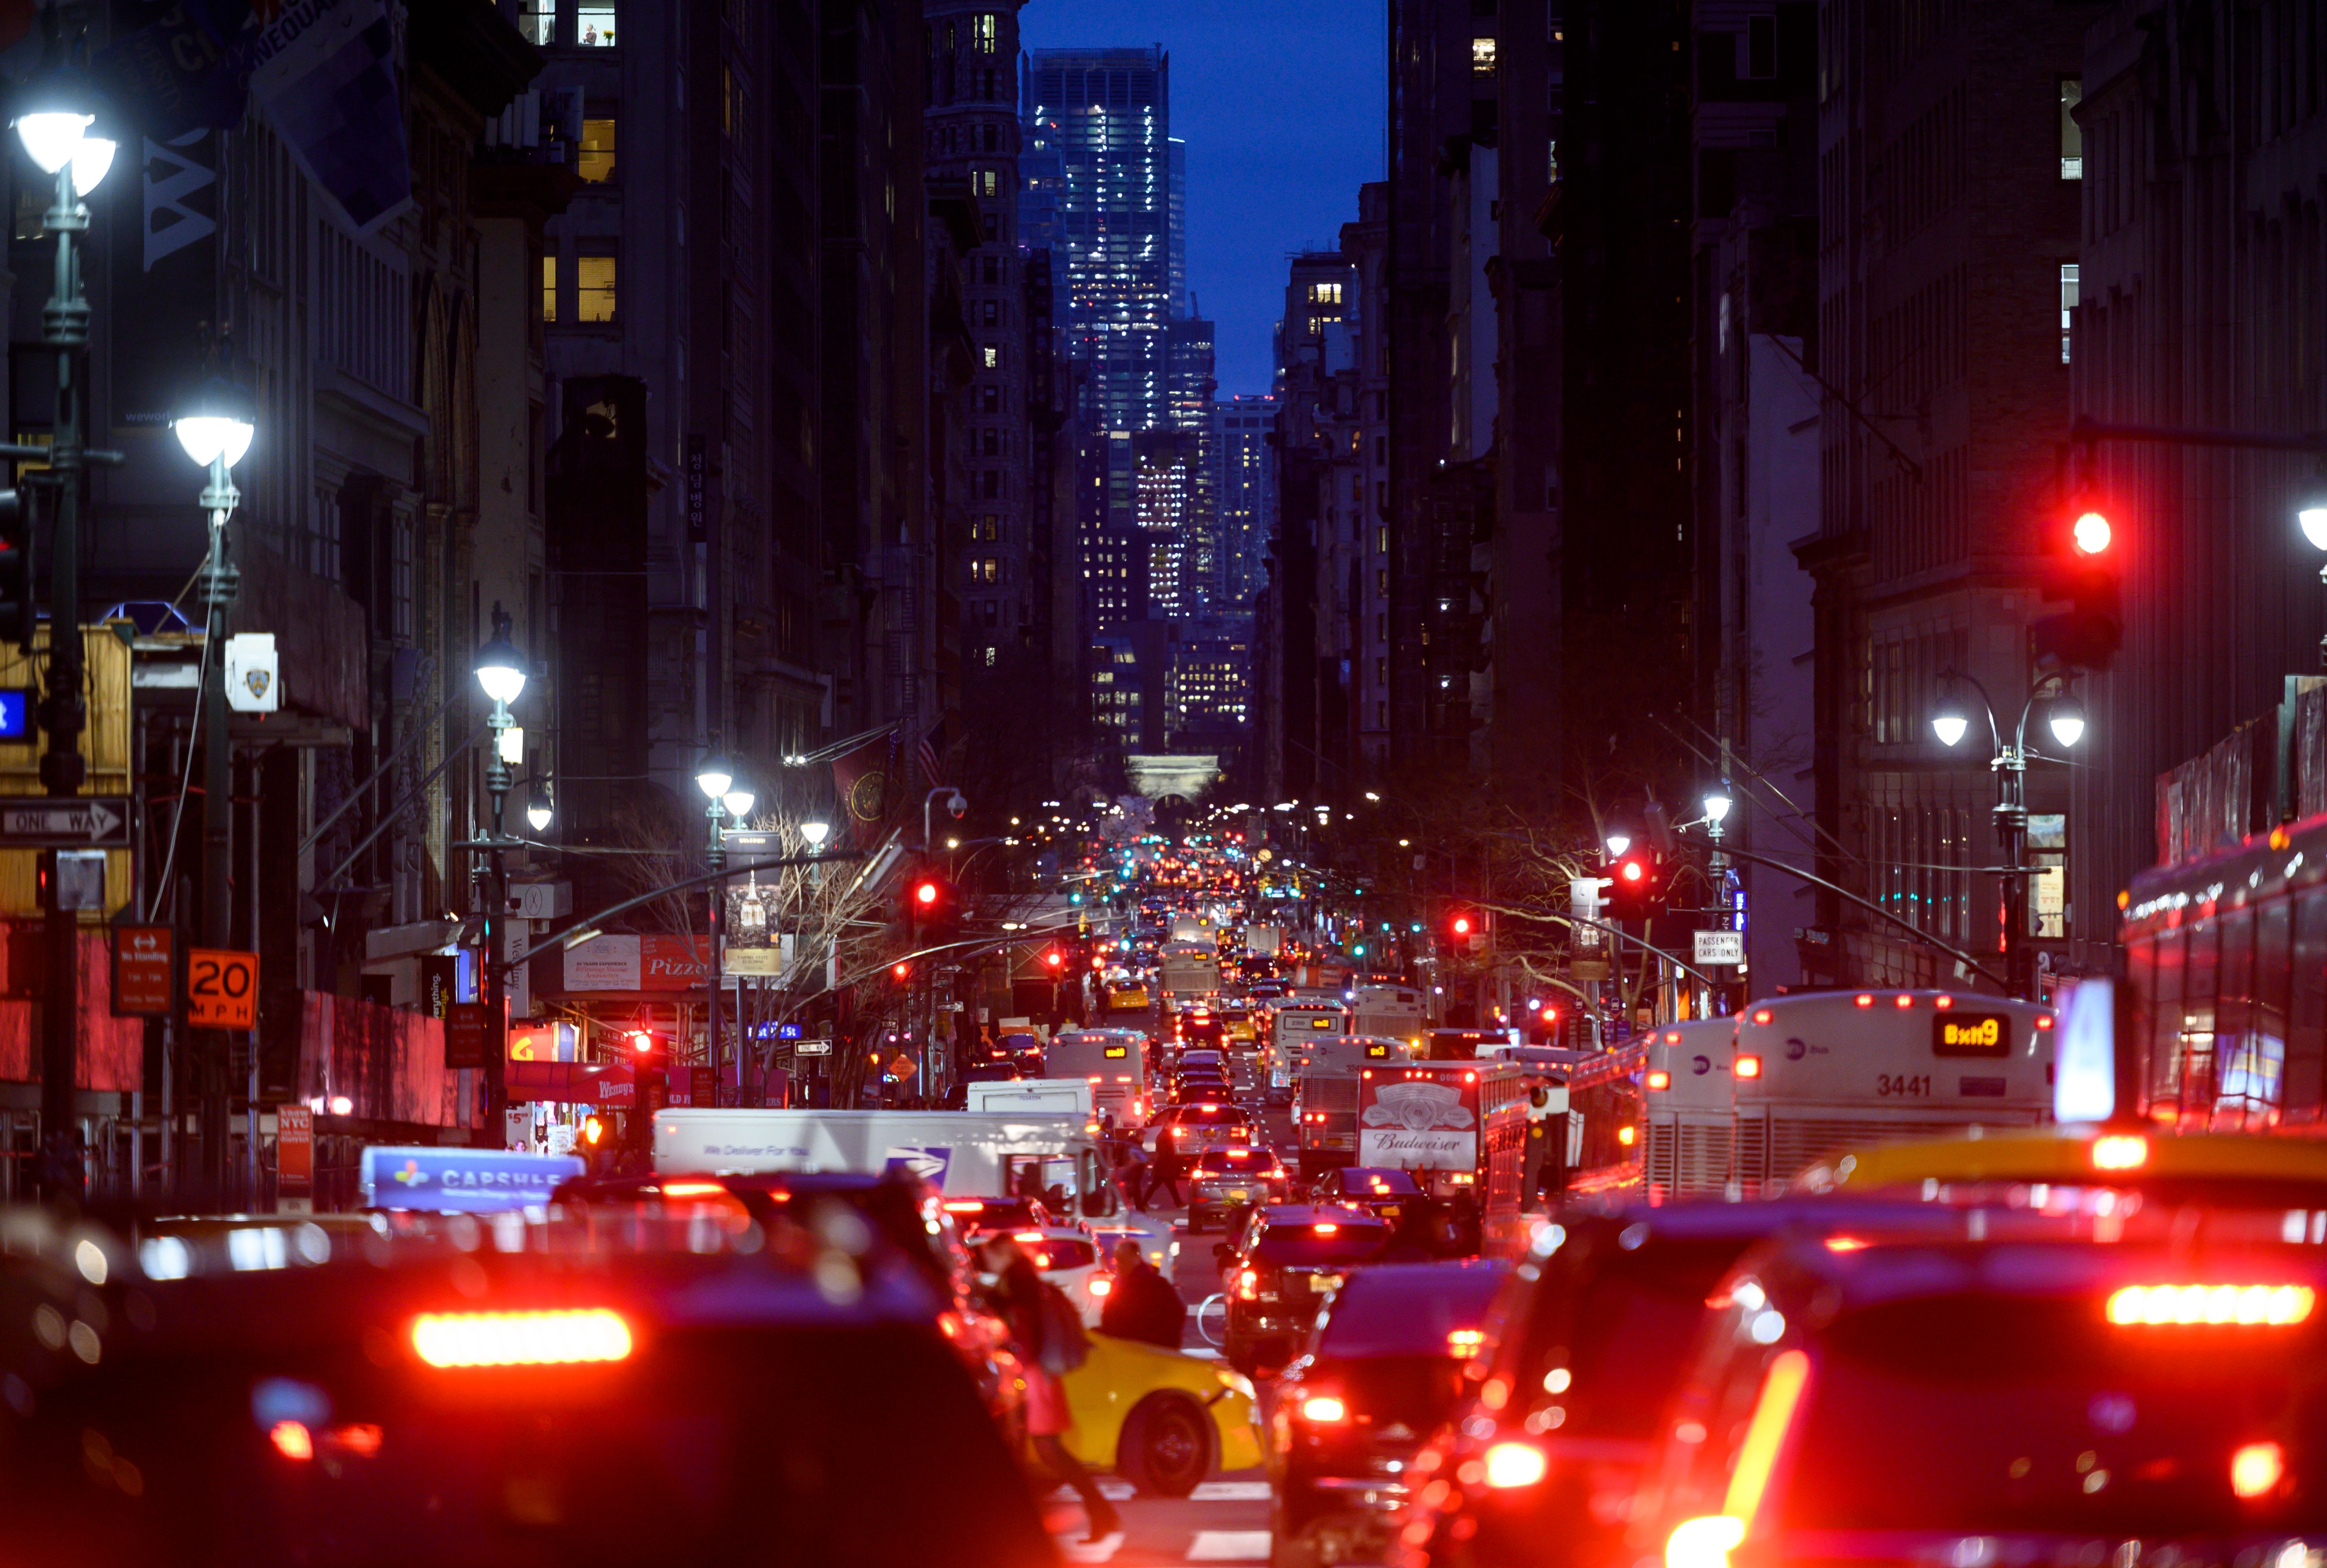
point(1031, 1097)
point(969, 1153)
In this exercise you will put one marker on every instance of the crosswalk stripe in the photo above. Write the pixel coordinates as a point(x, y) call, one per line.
point(1231, 1492)
point(1229, 1546)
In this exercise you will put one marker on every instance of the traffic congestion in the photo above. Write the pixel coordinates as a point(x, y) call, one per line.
point(1245, 1255)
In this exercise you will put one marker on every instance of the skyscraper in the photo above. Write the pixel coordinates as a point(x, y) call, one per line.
point(1104, 212)
point(1244, 459)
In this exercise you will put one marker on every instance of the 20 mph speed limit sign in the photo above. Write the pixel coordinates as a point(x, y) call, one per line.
point(221, 989)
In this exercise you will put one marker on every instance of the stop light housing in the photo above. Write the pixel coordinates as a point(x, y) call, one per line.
point(17, 611)
point(932, 908)
point(1636, 889)
point(2081, 567)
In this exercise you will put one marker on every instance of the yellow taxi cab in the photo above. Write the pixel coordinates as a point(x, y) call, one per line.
point(1126, 996)
point(2235, 1168)
point(1161, 1420)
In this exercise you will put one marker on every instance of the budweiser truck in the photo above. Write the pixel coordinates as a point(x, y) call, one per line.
point(1458, 1127)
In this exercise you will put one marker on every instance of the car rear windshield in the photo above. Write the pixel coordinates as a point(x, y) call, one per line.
point(1980, 1414)
point(1209, 1115)
point(1610, 1349)
point(1326, 1242)
point(1237, 1162)
point(1409, 1312)
point(1364, 1181)
point(1062, 1251)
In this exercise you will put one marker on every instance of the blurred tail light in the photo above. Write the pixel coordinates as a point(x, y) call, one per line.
point(1247, 1285)
point(2265, 1306)
point(1102, 1285)
point(1749, 1067)
point(2120, 1152)
point(1658, 1079)
point(292, 1440)
point(1462, 1343)
point(1515, 1464)
point(520, 1339)
point(1324, 1408)
point(1627, 1135)
point(2256, 1469)
point(1703, 1543)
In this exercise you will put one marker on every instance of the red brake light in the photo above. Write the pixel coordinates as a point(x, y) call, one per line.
point(2120, 1152)
point(1247, 1285)
point(1762, 1015)
point(1749, 1067)
point(1324, 1408)
point(1660, 1079)
point(1515, 1464)
point(1904, 999)
point(2256, 1469)
point(1863, 1000)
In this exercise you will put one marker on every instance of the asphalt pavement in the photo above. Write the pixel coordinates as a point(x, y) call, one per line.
point(1225, 1519)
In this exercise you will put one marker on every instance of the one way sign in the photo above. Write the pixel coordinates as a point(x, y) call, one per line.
point(90, 820)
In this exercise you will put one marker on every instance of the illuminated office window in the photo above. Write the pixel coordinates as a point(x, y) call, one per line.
point(594, 24)
point(597, 150)
point(1483, 56)
point(548, 288)
point(593, 288)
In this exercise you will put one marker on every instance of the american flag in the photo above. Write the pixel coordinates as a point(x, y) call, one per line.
point(932, 746)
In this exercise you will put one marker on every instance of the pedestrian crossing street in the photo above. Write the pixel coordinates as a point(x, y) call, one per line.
point(1221, 1522)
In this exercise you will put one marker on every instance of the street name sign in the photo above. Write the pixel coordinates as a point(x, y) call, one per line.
point(99, 820)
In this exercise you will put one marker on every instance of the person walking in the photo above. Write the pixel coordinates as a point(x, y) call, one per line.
point(1143, 1305)
point(1051, 1344)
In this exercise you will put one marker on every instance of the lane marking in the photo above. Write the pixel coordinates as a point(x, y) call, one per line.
point(1229, 1546)
point(1231, 1492)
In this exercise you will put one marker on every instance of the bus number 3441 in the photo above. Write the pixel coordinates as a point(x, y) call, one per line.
point(1898, 1085)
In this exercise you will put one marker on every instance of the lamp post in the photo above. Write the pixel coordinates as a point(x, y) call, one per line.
point(53, 120)
point(2010, 764)
point(216, 430)
point(500, 673)
point(716, 778)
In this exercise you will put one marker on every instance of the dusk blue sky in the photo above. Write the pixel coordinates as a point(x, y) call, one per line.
point(1280, 102)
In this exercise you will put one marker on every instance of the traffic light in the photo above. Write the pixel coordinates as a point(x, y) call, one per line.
point(2083, 568)
point(932, 909)
point(17, 613)
point(1636, 887)
point(646, 1050)
point(1054, 960)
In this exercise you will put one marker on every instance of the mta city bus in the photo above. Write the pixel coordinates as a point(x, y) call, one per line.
point(1691, 1124)
point(1816, 1073)
point(1113, 1061)
point(2226, 956)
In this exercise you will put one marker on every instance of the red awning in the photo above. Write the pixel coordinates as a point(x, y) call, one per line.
point(597, 1083)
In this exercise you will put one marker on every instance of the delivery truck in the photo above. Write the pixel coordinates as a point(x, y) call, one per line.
point(1458, 1128)
point(1325, 1095)
point(964, 1153)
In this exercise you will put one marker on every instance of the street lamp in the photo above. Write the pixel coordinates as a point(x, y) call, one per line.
point(538, 812)
point(715, 776)
point(56, 111)
point(814, 833)
point(1716, 808)
point(1618, 843)
point(215, 428)
point(499, 670)
point(2310, 509)
point(2010, 764)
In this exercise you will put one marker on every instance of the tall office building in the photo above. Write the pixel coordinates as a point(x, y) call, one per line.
point(1103, 211)
point(971, 131)
point(1244, 460)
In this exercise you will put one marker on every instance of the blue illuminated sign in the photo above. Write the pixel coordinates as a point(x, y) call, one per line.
point(15, 713)
point(457, 1180)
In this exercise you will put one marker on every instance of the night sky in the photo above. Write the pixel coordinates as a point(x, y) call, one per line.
point(1280, 102)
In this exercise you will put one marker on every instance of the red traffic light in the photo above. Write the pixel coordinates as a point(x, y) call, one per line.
point(925, 893)
point(1054, 958)
point(2090, 533)
point(642, 1041)
point(1631, 871)
point(1462, 925)
point(902, 970)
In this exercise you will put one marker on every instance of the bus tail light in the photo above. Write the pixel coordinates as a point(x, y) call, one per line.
point(1749, 1067)
point(1658, 1079)
point(1628, 1134)
point(1763, 1015)
point(1864, 999)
